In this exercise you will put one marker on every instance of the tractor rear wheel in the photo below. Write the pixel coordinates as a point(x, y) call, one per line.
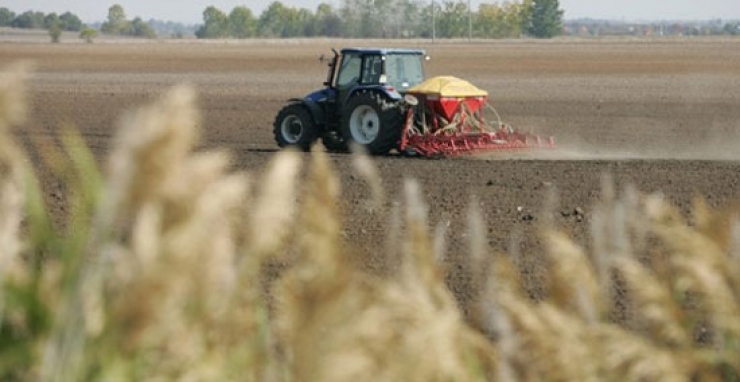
point(372, 121)
point(294, 127)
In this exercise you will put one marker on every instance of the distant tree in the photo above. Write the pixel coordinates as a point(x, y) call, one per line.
point(6, 17)
point(273, 20)
point(545, 19)
point(171, 28)
point(139, 28)
point(408, 15)
point(50, 20)
point(500, 20)
point(242, 23)
point(453, 20)
point(215, 24)
point(305, 22)
point(371, 23)
point(731, 29)
point(88, 34)
point(70, 22)
point(281, 21)
point(29, 20)
point(350, 14)
point(55, 32)
point(328, 22)
point(117, 23)
point(424, 29)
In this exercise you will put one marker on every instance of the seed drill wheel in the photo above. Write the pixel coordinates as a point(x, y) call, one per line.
point(294, 127)
point(372, 121)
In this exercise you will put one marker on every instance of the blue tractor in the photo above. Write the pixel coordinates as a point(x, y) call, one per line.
point(363, 102)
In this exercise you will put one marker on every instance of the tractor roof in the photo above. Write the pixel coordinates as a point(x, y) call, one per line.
point(382, 51)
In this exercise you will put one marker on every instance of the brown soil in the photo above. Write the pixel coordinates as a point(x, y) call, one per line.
point(659, 114)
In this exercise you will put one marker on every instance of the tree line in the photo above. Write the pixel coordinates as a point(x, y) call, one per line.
point(388, 19)
point(354, 19)
point(597, 28)
point(116, 24)
point(67, 21)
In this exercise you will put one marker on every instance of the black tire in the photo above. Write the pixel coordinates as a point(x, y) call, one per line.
point(294, 127)
point(380, 132)
point(334, 142)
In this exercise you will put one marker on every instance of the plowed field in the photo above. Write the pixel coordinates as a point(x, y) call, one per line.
point(659, 114)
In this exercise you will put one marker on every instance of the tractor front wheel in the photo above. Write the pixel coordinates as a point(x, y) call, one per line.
point(372, 121)
point(294, 127)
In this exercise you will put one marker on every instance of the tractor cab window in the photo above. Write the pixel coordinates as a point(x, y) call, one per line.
point(372, 69)
point(404, 70)
point(349, 72)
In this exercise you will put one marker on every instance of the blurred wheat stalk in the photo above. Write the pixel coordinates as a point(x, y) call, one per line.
point(158, 274)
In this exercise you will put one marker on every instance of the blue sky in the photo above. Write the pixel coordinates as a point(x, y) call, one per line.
point(190, 11)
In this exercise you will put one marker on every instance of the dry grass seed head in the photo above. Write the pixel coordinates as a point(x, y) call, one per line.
point(655, 308)
point(702, 266)
point(626, 356)
point(274, 208)
point(419, 262)
point(477, 241)
point(312, 293)
point(12, 179)
point(735, 242)
point(174, 275)
point(320, 222)
point(574, 286)
point(151, 144)
point(572, 358)
point(392, 256)
point(530, 361)
point(638, 227)
point(440, 241)
point(13, 103)
point(340, 324)
point(365, 167)
point(12, 201)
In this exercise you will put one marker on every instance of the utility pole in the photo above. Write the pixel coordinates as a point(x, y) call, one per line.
point(434, 25)
point(470, 22)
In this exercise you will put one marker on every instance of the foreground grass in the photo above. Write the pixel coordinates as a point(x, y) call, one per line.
point(158, 274)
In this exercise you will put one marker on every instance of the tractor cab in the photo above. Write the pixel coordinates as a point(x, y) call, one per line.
point(392, 71)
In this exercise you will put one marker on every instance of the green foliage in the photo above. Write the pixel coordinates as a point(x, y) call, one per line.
point(506, 20)
point(70, 22)
point(328, 21)
point(215, 24)
point(546, 19)
point(38, 20)
point(6, 17)
point(55, 32)
point(88, 34)
point(117, 24)
point(29, 20)
point(242, 23)
point(277, 21)
point(396, 19)
point(139, 28)
point(452, 21)
point(50, 20)
point(732, 29)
